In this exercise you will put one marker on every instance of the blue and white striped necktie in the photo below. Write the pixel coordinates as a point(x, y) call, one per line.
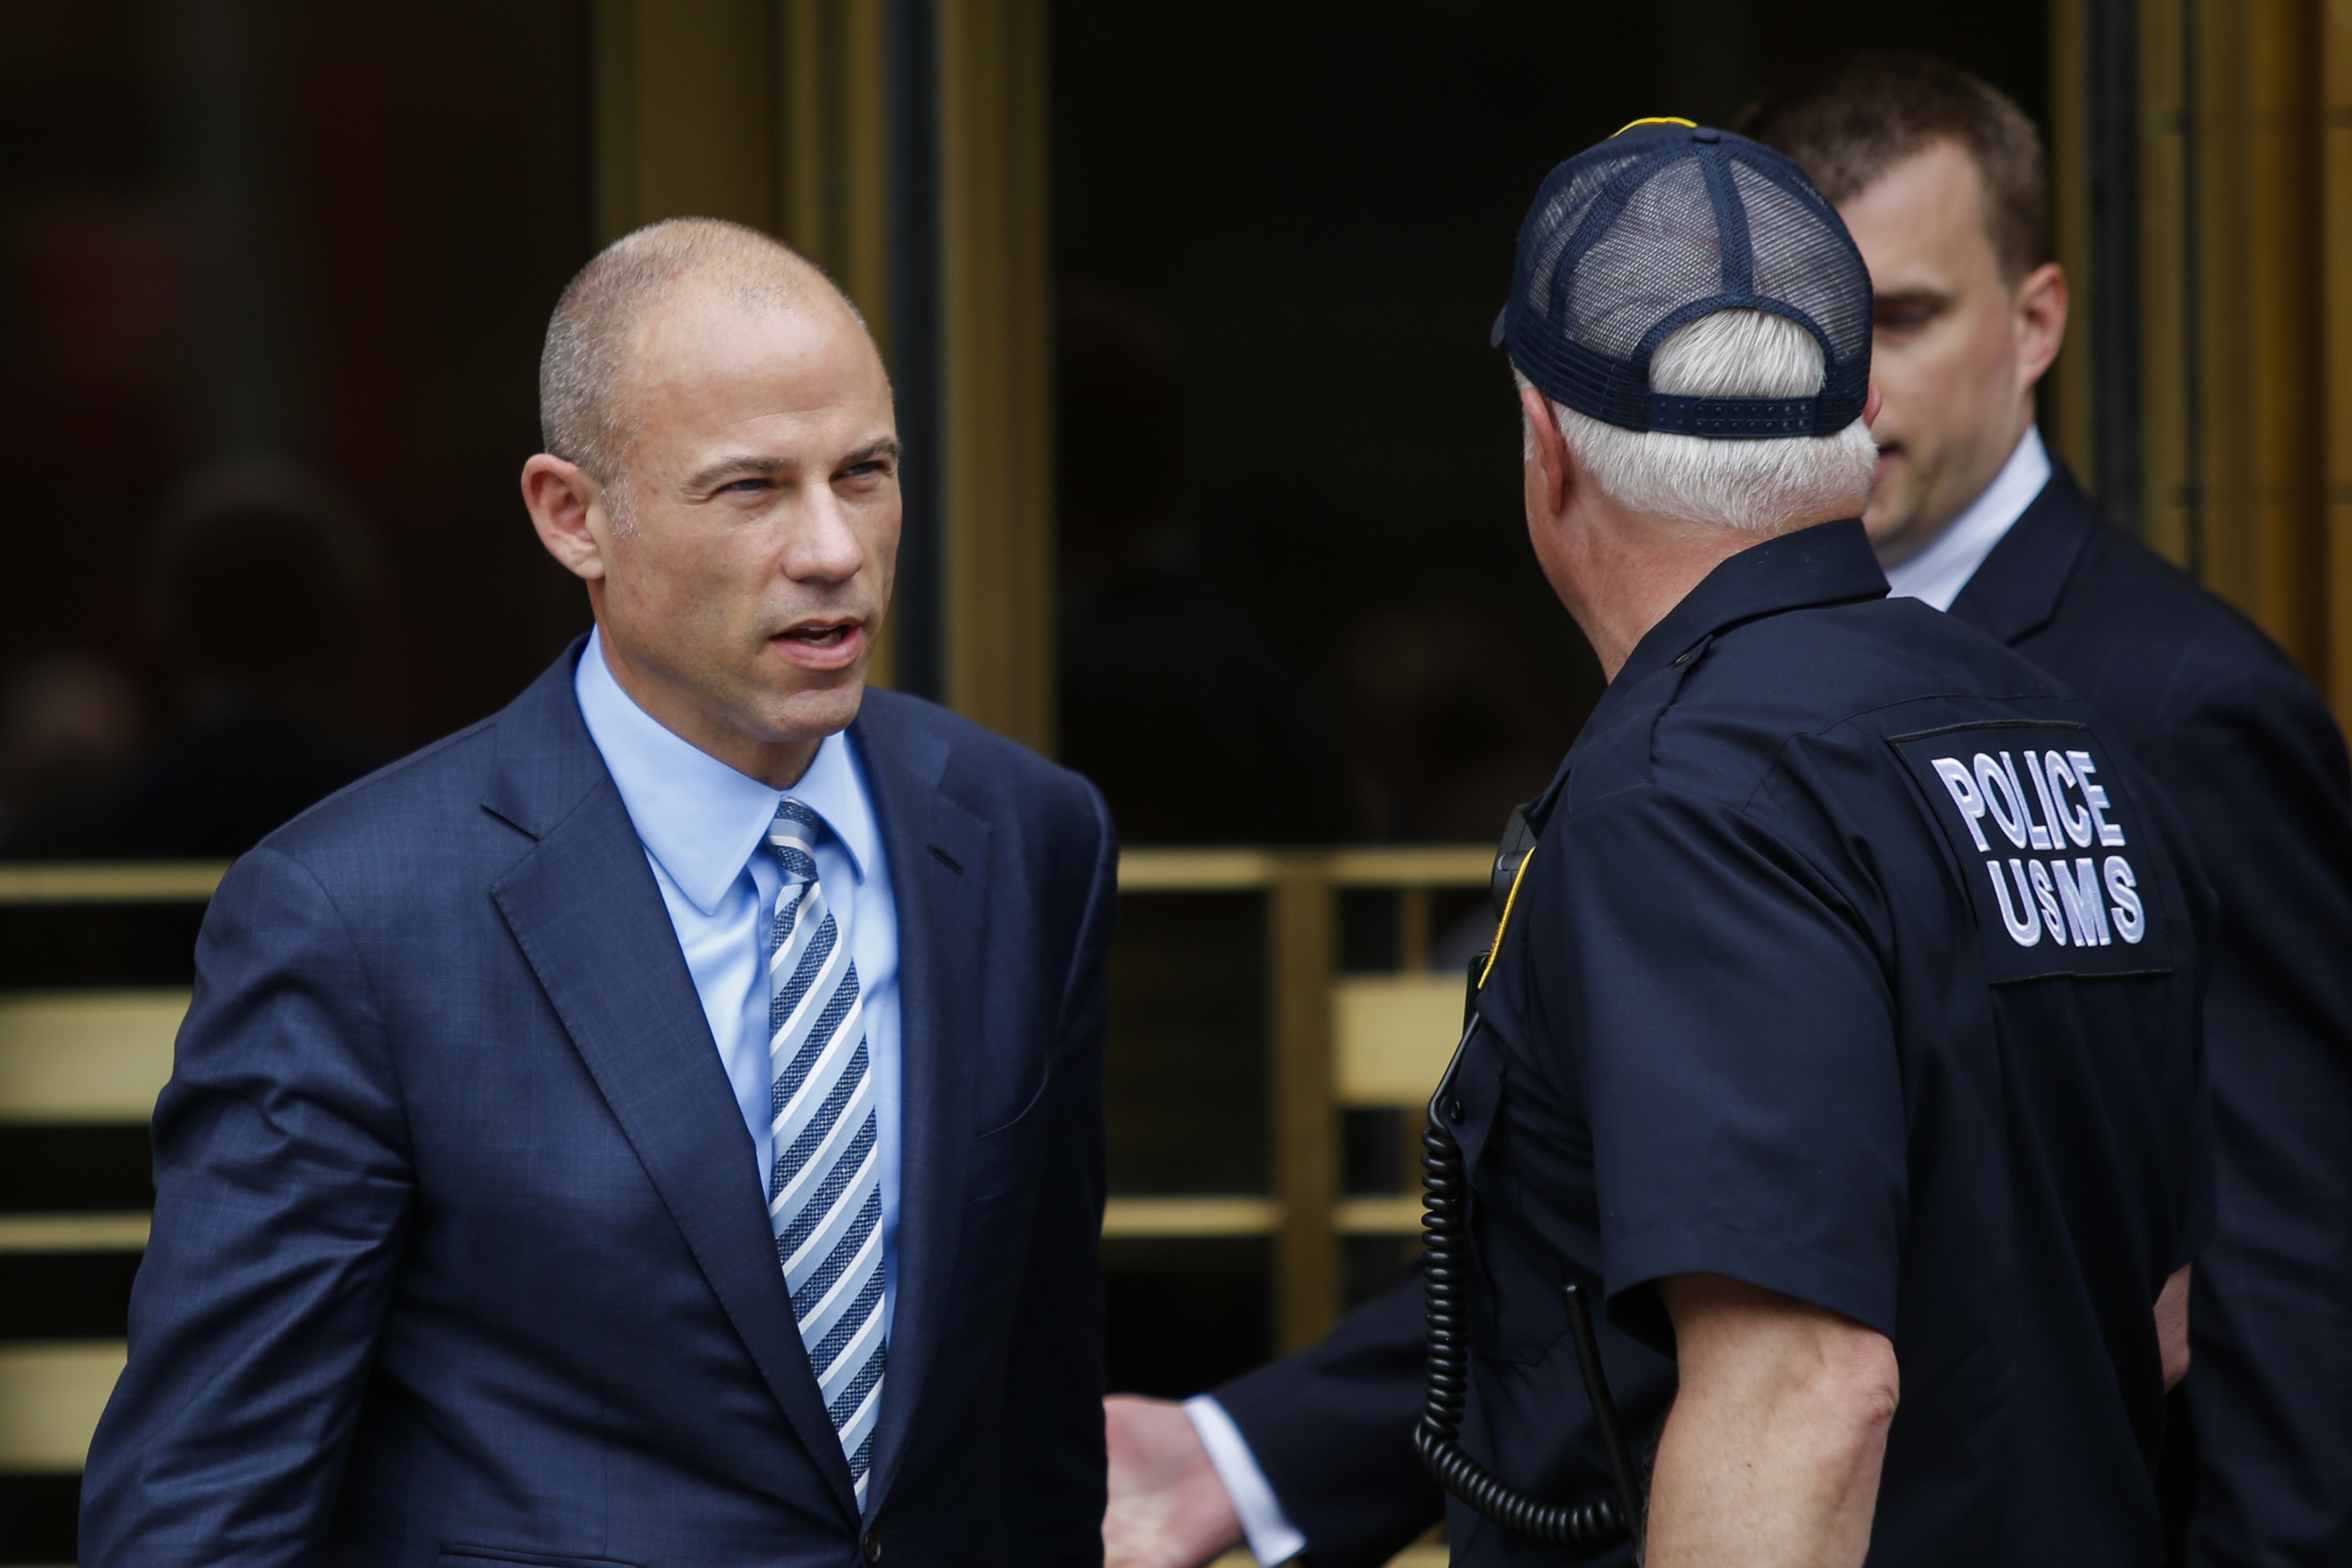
point(824, 1191)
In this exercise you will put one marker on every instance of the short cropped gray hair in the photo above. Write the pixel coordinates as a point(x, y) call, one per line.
point(583, 411)
point(1756, 487)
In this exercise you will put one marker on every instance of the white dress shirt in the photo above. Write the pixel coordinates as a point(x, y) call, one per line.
point(1937, 573)
point(704, 827)
point(1272, 1537)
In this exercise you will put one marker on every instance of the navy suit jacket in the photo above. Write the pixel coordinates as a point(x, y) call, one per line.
point(459, 1256)
point(2249, 753)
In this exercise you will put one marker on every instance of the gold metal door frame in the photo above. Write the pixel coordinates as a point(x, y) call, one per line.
point(776, 113)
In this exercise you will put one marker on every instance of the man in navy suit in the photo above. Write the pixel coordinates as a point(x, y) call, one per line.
point(1941, 181)
point(661, 1124)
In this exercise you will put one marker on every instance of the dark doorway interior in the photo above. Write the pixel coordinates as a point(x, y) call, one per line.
point(1298, 604)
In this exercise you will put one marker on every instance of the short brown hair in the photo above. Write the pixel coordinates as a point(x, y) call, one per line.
point(1849, 124)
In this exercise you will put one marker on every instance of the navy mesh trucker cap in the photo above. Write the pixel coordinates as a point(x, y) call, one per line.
point(1664, 223)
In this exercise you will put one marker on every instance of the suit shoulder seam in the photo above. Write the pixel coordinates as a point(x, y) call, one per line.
point(359, 959)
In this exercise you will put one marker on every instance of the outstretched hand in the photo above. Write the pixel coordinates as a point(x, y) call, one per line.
point(1168, 1509)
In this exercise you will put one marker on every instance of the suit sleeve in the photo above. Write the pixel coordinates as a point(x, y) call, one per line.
point(1331, 1427)
point(2258, 770)
point(282, 1190)
point(1055, 1462)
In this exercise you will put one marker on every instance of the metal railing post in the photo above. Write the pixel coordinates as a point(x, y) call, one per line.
point(1302, 919)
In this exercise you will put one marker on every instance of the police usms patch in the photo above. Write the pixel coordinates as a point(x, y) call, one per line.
point(2047, 838)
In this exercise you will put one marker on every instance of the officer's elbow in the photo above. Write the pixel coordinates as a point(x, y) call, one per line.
point(1778, 1431)
point(1813, 1370)
point(1837, 1427)
point(1860, 1386)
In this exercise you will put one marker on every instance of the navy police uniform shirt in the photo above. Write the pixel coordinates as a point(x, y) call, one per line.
point(1854, 961)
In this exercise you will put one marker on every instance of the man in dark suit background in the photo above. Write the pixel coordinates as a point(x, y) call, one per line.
point(1941, 181)
point(661, 1124)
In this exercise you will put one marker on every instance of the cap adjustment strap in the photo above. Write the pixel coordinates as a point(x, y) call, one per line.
point(1731, 417)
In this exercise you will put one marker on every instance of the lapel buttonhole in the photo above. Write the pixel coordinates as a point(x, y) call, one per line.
point(945, 860)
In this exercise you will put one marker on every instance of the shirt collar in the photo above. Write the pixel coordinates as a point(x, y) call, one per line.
point(699, 818)
point(2016, 592)
point(1829, 563)
point(1937, 573)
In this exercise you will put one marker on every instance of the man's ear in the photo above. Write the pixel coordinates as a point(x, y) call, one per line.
point(1548, 483)
point(567, 507)
point(2039, 314)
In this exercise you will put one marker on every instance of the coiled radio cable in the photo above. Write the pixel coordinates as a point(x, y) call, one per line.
point(1445, 1252)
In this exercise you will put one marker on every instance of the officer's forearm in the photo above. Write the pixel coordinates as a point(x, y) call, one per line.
point(1771, 1457)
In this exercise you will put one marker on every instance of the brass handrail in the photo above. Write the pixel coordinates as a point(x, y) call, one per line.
point(1238, 870)
point(1142, 869)
point(125, 881)
point(1305, 1214)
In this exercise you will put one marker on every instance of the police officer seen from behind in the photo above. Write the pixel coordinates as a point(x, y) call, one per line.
point(1841, 1033)
point(1941, 181)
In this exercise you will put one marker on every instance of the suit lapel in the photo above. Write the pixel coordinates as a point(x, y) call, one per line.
point(2016, 590)
point(941, 908)
point(583, 908)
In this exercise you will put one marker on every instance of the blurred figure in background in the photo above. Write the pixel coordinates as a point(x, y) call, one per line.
point(255, 583)
point(66, 721)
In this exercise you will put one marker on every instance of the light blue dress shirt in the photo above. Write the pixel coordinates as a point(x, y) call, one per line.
point(704, 827)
